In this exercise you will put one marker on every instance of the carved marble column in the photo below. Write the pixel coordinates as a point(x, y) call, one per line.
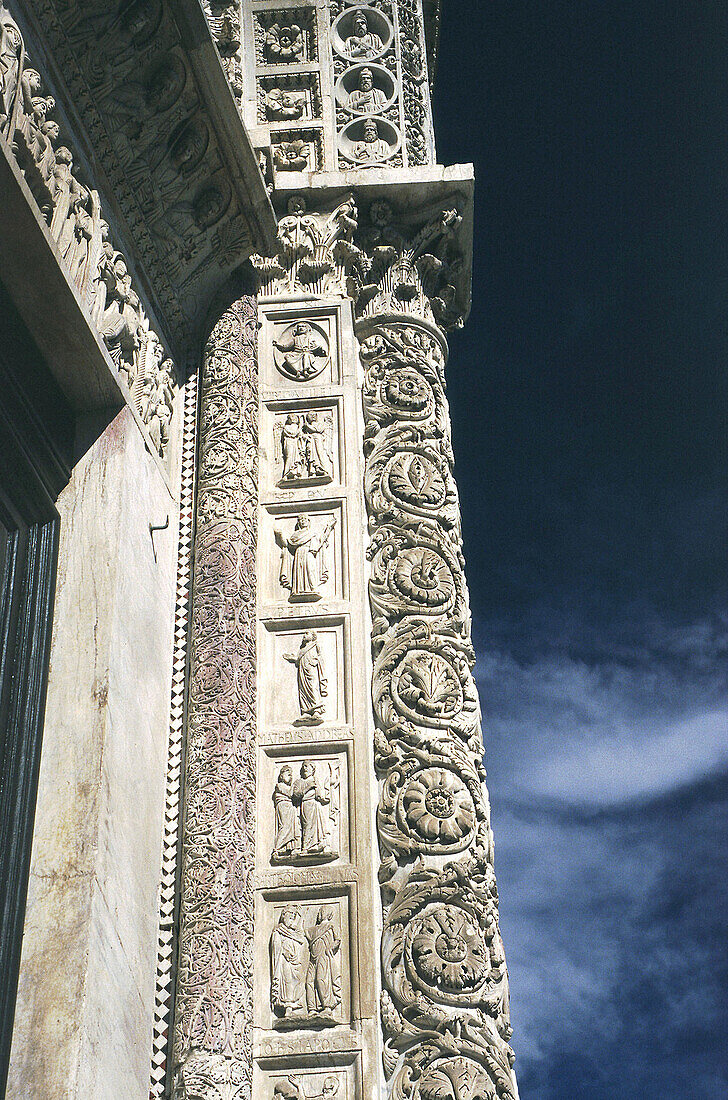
point(444, 1000)
point(212, 1045)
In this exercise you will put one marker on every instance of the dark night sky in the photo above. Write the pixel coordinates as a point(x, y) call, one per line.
point(589, 397)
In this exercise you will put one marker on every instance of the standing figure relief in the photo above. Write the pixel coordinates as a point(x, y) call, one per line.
point(312, 683)
point(303, 571)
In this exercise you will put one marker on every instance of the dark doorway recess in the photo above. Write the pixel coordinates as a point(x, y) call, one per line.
point(36, 437)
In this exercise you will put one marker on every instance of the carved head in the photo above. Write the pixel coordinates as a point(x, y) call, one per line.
point(120, 268)
point(209, 207)
point(64, 156)
point(371, 133)
point(292, 419)
point(285, 775)
point(360, 24)
point(366, 80)
point(289, 917)
point(306, 769)
point(330, 1087)
point(303, 523)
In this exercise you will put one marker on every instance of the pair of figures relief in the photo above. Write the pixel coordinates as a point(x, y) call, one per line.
point(305, 814)
point(305, 986)
point(305, 448)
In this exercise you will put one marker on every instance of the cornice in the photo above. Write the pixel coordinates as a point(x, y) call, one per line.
point(145, 94)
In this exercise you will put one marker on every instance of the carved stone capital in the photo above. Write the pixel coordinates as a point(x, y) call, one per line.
point(411, 266)
point(315, 251)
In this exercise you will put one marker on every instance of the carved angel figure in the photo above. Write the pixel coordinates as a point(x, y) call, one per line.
point(371, 146)
point(303, 570)
point(284, 43)
point(312, 683)
point(366, 98)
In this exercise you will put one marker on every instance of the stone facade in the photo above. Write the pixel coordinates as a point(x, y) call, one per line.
point(263, 835)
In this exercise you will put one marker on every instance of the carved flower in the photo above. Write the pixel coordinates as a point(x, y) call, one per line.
point(438, 806)
point(408, 391)
point(421, 575)
point(426, 685)
point(448, 951)
point(284, 42)
point(414, 479)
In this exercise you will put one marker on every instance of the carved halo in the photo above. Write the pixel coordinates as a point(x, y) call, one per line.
point(344, 29)
point(348, 82)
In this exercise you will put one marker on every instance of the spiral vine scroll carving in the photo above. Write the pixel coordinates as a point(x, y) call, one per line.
point(213, 1025)
point(444, 1000)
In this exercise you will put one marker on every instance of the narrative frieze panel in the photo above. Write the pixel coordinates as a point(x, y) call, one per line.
point(332, 1074)
point(300, 444)
point(310, 1086)
point(304, 807)
point(307, 663)
point(304, 553)
point(304, 977)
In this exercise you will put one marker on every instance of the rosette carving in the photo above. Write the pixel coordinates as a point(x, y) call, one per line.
point(409, 473)
point(412, 574)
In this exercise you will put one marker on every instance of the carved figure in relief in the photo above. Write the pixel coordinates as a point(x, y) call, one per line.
point(289, 960)
point(304, 815)
point(285, 843)
point(294, 1088)
point(157, 404)
point(303, 351)
point(284, 43)
point(371, 146)
point(363, 43)
point(304, 447)
point(280, 104)
point(366, 98)
point(312, 684)
point(303, 570)
point(121, 323)
point(11, 53)
point(323, 976)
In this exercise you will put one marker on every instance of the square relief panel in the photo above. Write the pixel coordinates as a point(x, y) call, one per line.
point(297, 150)
point(307, 975)
point(302, 444)
point(303, 555)
point(303, 682)
point(285, 37)
point(299, 350)
point(303, 813)
point(323, 1084)
point(289, 97)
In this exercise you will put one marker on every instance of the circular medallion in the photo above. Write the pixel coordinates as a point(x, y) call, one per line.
point(421, 576)
point(415, 481)
point(447, 955)
point(301, 351)
point(425, 687)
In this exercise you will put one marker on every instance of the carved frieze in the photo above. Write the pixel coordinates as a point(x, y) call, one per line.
point(305, 965)
point(155, 133)
point(303, 447)
point(74, 215)
point(307, 808)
